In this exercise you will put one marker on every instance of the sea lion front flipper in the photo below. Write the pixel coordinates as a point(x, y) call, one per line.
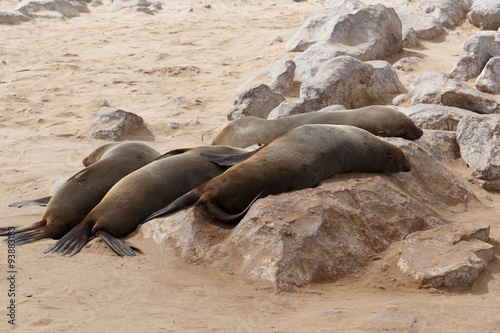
point(181, 202)
point(222, 216)
point(74, 240)
point(229, 160)
point(121, 247)
point(40, 202)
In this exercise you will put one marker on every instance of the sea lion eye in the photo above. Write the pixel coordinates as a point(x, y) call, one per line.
point(381, 132)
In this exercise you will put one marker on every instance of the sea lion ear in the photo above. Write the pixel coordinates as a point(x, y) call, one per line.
point(390, 157)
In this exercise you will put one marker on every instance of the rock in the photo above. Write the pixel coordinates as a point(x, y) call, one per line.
point(450, 255)
point(407, 64)
point(10, 17)
point(278, 76)
point(370, 33)
point(448, 12)
point(458, 94)
point(80, 6)
point(38, 7)
point(442, 145)
point(423, 25)
point(112, 124)
point(258, 101)
point(410, 38)
point(342, 80)
point(385, 78)
point(485, 14)
point(488, 185)
point(393, 319)
point(291, 107)
point(146, 6)
point(436, 117)
point(321, 233)
point(426, 88)
point(477, 50)
point(479, 140)
point(489, 79)
point(312, 29)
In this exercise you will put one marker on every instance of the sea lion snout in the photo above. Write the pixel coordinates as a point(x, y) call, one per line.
point(405, 165)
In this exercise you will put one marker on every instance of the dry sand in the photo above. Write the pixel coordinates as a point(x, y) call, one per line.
point(52, 75)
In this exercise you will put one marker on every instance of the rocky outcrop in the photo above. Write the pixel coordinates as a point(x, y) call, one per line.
point(442, 145)
point(485, 14)
point(10, 17)
point(458, 94)
point(112, 124)
point(489, 79)
point(451, 255)
point(436, 117)
point(47, 8)
point(426, 88)
point(258, 101)
point(319, 233)
point(477, 50)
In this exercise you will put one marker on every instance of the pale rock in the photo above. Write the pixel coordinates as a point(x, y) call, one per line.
point(451, 255)
point(448, 12)
point(479, 139)
point(257, 101)
point(426, 87)
point(39, 8)
point(278, 76)
point(291, 107)
point(139, 5)
point(308, 63)
point(10, 17)
point(407, 64)
point(342, 80)
point(80, 5)
point(436, 117)
point(489, 79)
point(312, 29)
point(485, 14)
point(410, 38)
point(442, 145)
point(477, 51)
point(423, 25)
point(385, 78)
point(393, 319)
point(458, 94)
point(112, 124)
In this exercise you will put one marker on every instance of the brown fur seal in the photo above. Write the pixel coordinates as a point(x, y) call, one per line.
point(139, 194)
point(298, 159)
point(378, 120)
point(74, 199)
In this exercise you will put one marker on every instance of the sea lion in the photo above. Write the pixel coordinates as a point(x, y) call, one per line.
point(139, 194)
point(295, 160)
point(76, 197)
point(378, 120)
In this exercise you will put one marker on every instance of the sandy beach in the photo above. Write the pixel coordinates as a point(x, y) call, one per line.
point(53, 78)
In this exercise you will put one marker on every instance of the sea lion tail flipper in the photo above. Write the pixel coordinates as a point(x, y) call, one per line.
point(40, 202)
point(6, 232)
point(221, 215)
point(121, 247)
point(48, 231)
point(229, 160)
point(181, 202)
point(74, 240)
point(172, 153)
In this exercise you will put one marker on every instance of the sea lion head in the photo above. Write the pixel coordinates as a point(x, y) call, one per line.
point(396, 160)
point(402, 126)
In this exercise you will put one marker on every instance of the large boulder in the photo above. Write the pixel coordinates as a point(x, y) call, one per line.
point(442, 145)
point(477, 50)
point(257, 101)
point(458, 94)
point(479, 140)
point(423, 25)
point(112, 124)
point(452, 255)
point(436, 117)
point(38, 7)
point(370, 33)
point(320, 233)
point(426, 88)
point(489, 79)
point(10, 17)
point(485, 14)
point(278, 76)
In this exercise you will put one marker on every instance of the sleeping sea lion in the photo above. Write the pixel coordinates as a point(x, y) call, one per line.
point(295, 160)
point(139, 194)
point(378, 120)
point(75, 198)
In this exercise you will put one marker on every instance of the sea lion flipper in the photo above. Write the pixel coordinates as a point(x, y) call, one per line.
point(74, 240)
point(121, 247)
point(229, 160)
point(37, 225)
point(172, 153)
point(221, 215)
point(40, 202)
point(181, 202)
